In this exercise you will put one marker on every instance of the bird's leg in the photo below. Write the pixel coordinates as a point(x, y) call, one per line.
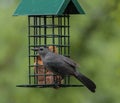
point(57, 81)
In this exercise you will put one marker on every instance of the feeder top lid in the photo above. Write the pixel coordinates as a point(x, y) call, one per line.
point(48, 7)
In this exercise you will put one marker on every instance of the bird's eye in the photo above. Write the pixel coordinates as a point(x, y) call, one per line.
point(41, 49)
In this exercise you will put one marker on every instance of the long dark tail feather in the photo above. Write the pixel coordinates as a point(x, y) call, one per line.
point(87, 82)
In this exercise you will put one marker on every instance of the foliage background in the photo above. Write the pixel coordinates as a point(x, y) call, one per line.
point(95, 45)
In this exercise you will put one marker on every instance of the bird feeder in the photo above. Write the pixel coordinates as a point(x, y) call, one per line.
point(49, 26)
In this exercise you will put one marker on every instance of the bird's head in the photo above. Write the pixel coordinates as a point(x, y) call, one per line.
point(41, 50)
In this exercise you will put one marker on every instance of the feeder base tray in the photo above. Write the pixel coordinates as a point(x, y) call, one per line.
point(49, 86)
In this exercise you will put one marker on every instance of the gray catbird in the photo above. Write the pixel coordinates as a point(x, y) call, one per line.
point(63, 66)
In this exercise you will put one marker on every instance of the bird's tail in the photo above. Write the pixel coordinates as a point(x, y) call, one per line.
point(87, 82)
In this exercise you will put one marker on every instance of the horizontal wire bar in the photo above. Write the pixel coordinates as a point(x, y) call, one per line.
point(33, 55)
point(38, 55)
point(50, 45)
point(48, 26)
point(36, 65)
point(49, 16)
point(50, 85)
point(32, 75)
point(48, 35)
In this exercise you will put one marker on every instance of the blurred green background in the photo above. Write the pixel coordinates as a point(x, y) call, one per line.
point(95, 45)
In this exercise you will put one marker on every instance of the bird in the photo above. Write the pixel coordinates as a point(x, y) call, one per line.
point(63, 66)
point(40, 70)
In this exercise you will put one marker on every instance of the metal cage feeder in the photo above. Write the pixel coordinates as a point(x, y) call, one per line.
point(49, 26)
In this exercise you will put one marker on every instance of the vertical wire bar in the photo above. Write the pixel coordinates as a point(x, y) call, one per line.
point(64, 42)
point(34, 26)
point(53, 41)
point(45, 41)
point(29, 50)
point(68, 35)
point(61, 34)
point(65, 35)
point(68, 18)
point(58, 34)
point(53, 32)
point(45, 30)
point(40, 31)
point(40, 38)
point(36, 43)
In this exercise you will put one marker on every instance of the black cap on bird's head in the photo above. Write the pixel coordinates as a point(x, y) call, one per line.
point(41, 50)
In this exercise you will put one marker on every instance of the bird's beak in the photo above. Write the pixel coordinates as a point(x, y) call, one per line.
point(35, 49)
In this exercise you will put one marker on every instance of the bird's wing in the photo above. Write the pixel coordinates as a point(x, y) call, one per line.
point(69, 61)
